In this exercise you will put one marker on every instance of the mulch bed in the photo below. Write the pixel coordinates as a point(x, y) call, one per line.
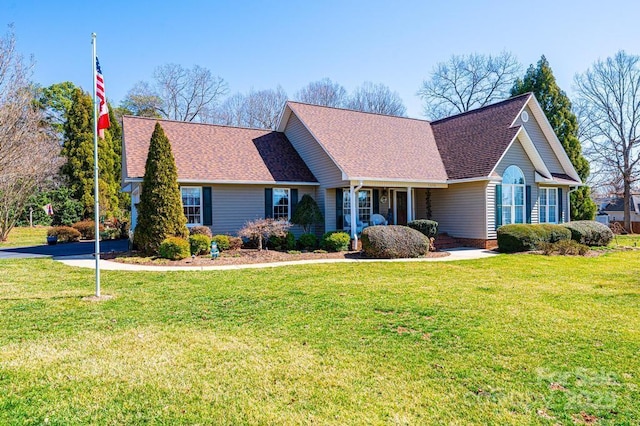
point(242, 257)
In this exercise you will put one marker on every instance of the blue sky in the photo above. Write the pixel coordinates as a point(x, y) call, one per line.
point(262, 44)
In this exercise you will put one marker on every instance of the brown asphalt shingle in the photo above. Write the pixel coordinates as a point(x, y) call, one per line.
point(471, 143)
point(374, 146)
point(206, 152)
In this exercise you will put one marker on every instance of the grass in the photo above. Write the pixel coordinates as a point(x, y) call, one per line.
point(632, 240)
point(25, 236)
point(520, 339)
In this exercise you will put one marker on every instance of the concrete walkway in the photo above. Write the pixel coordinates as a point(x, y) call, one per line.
point(89, 262)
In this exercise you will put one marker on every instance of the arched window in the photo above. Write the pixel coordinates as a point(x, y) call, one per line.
point(513, 195)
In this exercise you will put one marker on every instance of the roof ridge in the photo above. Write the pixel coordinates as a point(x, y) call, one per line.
point(482, 108)
point(360, 112)
point(228, 126)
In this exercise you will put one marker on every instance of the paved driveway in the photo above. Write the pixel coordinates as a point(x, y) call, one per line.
point(82, 248)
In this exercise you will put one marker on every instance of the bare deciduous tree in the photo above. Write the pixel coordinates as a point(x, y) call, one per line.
point(257, 109)
point(28, 154)
point(323, 92)
point(178, 93)
point(377, 98)
point(466, 82)
point(609, 114)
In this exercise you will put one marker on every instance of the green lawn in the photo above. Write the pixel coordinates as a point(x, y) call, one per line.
point(25, 236)
point(632, 240)
point(518, 339)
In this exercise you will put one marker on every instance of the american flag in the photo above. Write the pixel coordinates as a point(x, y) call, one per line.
point(103, 114)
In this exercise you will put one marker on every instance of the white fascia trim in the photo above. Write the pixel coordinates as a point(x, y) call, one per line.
point(529, 148)
point(513, 123)
point(358, 179)
point(551, 136)
point(551, 181)
point(235, 182)
point(475, 179)
point(284, 118)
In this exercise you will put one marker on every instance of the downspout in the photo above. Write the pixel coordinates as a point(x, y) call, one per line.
point(354, 213)
point(569, 202)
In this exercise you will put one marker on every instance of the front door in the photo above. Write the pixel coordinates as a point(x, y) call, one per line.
point(401, 208)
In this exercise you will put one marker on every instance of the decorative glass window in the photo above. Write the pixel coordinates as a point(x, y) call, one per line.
point(281, 199)
point(548, 205)
point(513, 196)
point(192, 204)
point(364, 204)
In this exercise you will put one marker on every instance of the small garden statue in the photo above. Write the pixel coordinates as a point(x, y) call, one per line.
point(215, 252)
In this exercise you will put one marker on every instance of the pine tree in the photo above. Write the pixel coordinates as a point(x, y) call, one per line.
point(78, 151)
point(160, 212)
point(557, 107)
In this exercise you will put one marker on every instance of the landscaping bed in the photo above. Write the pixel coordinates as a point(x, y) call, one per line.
point(243, 257)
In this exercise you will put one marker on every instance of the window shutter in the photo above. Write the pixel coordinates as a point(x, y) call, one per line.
point(376, 201)
point(560, 206)
point(207, 210)
point(294, 200)
point(339, 219)
point(529, 205)
point(498, 202)
point(268, 202)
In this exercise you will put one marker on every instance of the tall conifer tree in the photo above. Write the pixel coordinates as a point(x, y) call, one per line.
point(160, 212)
point(557, 107)
point(78, 151)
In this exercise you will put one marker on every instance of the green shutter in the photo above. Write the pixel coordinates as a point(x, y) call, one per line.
point(339, 208)
point(294, 200)
point(207, 210)
point(376, 201)
point(268, 202)
point(498, 209)
point(560, 206)
point(529, 206)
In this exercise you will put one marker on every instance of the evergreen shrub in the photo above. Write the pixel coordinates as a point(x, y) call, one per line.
point(525, 237)
point(393, 242)
point(335, 241)
point(199, 244)
point(589, 232)
point(65, 234)
point(87, 229)
point(174, 248)
point(307, 241)
point(427, 227)
point(223, 242)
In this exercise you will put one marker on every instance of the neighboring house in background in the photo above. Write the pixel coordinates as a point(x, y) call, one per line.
point(472, 172)
point(615, 210)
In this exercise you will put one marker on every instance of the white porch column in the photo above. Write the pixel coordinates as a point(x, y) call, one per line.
point(353, 211)
point(409, 204)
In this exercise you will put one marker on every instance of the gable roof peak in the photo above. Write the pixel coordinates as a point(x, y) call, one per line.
point(485, 108)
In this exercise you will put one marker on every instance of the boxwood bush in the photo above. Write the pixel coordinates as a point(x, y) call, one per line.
point(199, 244)
point(174, 248)
point(287, 242)
point(393, 241)
point(427, 227)
point(335, 241)
point(223, 242)
point(589, 232)
point(307, 241)
point(524, 237)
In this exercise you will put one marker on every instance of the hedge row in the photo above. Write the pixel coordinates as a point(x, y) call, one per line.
point(524, 237)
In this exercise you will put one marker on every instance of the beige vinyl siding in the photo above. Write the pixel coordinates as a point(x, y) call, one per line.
point(491, 210)
point(517, 156)
point(329, 209)
point(320, 164)
point(541, 143)
point(460, 210)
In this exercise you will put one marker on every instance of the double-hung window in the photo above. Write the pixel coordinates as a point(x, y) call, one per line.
point(281, 204)
point(513, 196)
point(548, 205)
point(363, 198)
point(192, 204)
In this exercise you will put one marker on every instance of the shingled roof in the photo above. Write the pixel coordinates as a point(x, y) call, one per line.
point(374, 146)
point(471, 143)
point(213, 153)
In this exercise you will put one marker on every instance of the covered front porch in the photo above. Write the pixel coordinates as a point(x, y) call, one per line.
point(361, 205)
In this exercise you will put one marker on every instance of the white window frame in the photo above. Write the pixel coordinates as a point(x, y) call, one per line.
point(199, 188)
point(346, 205)
point(273, 203)
point(510, 188)
point(545, 207)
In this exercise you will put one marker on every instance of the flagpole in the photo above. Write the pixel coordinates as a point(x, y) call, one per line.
point(96, 206)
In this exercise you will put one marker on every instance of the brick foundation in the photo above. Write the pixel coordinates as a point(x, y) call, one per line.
point(478, 243)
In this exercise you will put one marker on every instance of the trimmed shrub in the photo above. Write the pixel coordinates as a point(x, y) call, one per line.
point(525, 237)
point(335, 241)
point(87, 229)
point(307, 213)
point(65, 234)
point(223, 242)
point(200, 230)
point(235, 243)
point(393, 242)
point(174, 248)
point(427, 227)
point(109, 234)
point(564, 248)
point(286, 242)
point(199, 244)
point(589, 232)
point(307, 241)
